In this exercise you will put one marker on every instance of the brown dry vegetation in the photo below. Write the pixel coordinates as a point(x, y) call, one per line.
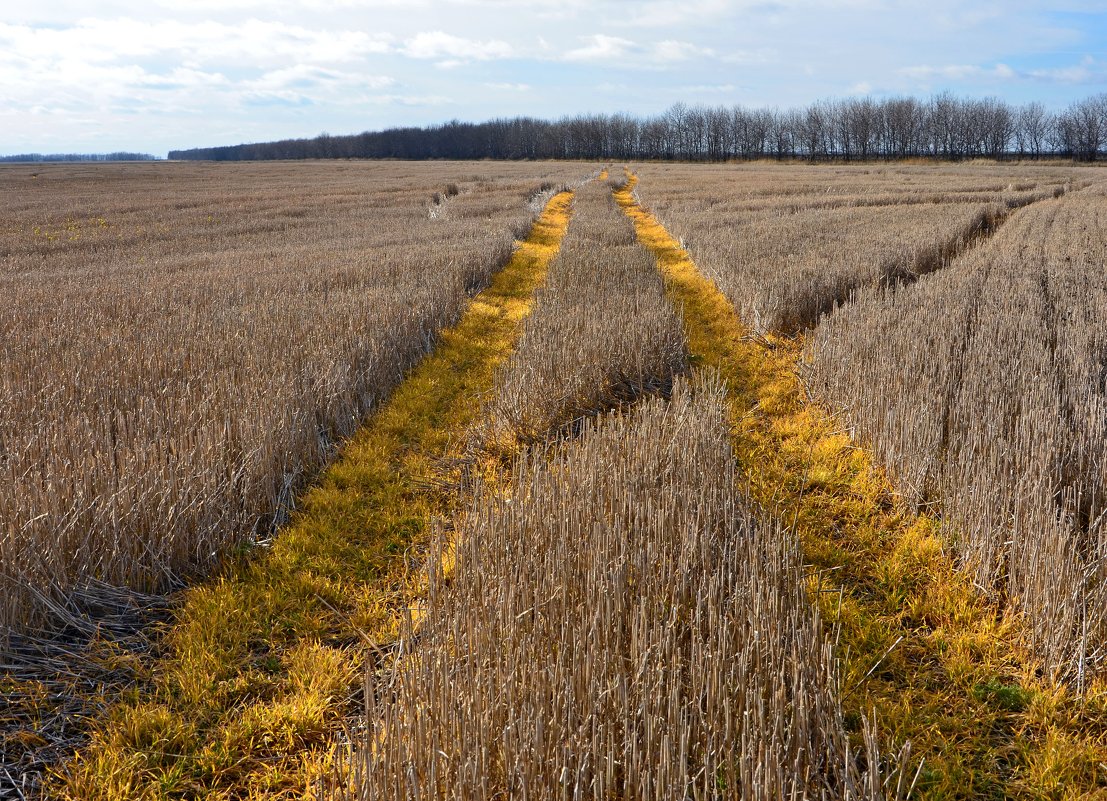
point(602, 331)
point(605, 612)
point(614, 623)
point(934, 659)
point(184, 344)
point(786, 245)
point(611, 620)
point(247, 685)
point(982, 389)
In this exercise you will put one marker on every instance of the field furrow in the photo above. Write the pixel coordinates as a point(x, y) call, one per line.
point(763, 481)
point(183, 351)
point(602, 333)
point(996, 415)
point(786, 248)
point(616, 623)
point(918, 646)
point(610, 617)
point(259, 667)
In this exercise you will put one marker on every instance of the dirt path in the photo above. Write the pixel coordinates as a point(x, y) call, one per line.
point(917, 644)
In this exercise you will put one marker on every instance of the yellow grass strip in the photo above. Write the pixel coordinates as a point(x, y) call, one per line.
point(259, 665)
point(917, 644)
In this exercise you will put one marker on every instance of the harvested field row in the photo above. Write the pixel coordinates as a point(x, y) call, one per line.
point(573, 637)
point(647, 596)
point(602, 332)
point(615, 624)
point(258, 669)
point(785, 255)
point(982, 390)
point(184, 345)
point(918, 647)
point(683, 190)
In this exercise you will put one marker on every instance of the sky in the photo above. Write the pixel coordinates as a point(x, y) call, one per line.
point(165, 74)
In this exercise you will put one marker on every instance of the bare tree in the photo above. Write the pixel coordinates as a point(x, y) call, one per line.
point(904, 121)
point(1032, 126)
point(814, 129)
point(944, 127)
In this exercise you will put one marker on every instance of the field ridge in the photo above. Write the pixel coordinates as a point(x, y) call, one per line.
point(260, 666)
point(919, 648)
point(986, 224)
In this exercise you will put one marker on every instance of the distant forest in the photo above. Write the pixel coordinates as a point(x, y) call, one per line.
point(942, 127)
point(41, 157)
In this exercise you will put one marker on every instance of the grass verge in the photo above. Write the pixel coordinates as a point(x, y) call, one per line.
point(917, 644)
point(259, 667)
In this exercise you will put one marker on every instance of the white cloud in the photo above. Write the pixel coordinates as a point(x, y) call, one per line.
point(305, 84)
point(671, 50)
point(615, 51)
point(440, 45)
point(181, 77)
point(665, 14)
point(251, 42)
point(708, 89)
point(134, 67)
point(762, 55)
point(959, 72)
point(409, 100)
point(165, 74)
point(601, 47)
point(1077, 74)
point(1087, 71)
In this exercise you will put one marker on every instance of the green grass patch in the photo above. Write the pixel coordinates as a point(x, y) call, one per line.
point(1008, 697)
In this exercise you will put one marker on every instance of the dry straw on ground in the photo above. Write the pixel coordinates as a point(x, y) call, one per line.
point(611, 618)
point(183, 344)
point(242, 694)
point(982, 389)
point(612, 621)
point(601, 333)
point(616, 624)
point(785, 245)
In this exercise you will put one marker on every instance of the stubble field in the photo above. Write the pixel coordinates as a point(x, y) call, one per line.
point(475, 480)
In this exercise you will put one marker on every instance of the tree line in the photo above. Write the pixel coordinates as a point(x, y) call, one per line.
point(43, 157)
point(941, 127)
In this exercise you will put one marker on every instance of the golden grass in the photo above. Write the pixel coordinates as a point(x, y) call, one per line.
point(184, 347)
point(786, 245)
point(918, 646)
point(260, 664)
point(982, 390)
point(617, 624)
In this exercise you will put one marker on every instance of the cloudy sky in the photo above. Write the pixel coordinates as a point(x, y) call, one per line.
point(83, 77)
